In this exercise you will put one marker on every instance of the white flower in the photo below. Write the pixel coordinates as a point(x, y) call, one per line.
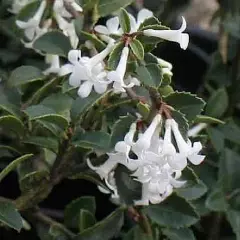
point(141, 17)
point(32, 25)
point(171, 35)
point(54, 62)
point(59, 8)
point(112, 27)
point(144, 141)
point(89, 70)
point(186, 148)
point(117, 76)
point(68, 29)
point(17, 5)
point(194, 131)
point(176, 160)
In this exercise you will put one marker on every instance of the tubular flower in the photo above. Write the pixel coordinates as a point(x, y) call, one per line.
point(54, 62)
point(32, 25)
point(171, 35)
point(112, 27)
point(117, 76)
point(157, 164)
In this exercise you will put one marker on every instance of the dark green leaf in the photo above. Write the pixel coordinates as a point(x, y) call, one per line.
point(229, 170)
point(10, 216)
point(106, 7)
point(217, 104)
point(179, 234)
point(173, 212)
point(128, 188)
point(234, 219)
point(93, 140)
point(115, 56)
point(72, 210)
point(11, 123)
point(43, 142)
point(53, 42)
point(216, 200)
point(28, 10)
point(11, 166)
point(150, 75)
point(137, 49)
point(187, 103)
point(194, 187)
point(105, 229)
point(120, 128)
point(124, 21)
point(81, 105)
point(136, 233)
point(25, 74)
point(86, 220)
point(217, 138)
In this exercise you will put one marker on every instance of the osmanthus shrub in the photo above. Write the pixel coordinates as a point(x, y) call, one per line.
point(101, 108)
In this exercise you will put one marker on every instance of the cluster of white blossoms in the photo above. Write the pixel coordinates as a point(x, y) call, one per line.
point(158, 163)
point(36, 26)
point(88, 73)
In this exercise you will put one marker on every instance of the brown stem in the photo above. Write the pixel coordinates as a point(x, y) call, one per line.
point(216, 226)
point(71, 10)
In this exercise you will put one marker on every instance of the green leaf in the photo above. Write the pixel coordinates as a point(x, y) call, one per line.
point(53, 42)
point(182, 122)
point(44, 91)
point(59, 102)
point(28, 10)
point(187, 103)
point(81, 105)
point(105, 229)
point(86, 220)
point(10, 101)
point(217, 104)
point(72, 210)
point(150, 75)
point(144, 110)
point(217, 138)
point(115, 55)
point(229, 170)
point(207, 119)
point(216, 200)
point(106, 7)
point(43, 142)
point(179, 234)
point(41, 112)
point(11, 123)
point(173, 212)
point(149, 22)
point(137, 49)
point(234, 219)
point(136, 233)
point(124, 21)
point(32, 180)
point(128, 188)
point(25, 74)
point(10, 216)
point(11, 166)
point(96, 41)
point(231, 131)
point(194, 187)
point(120, 128)
point(92, 140)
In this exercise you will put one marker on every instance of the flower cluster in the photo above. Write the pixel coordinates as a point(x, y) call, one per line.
point(158, 164)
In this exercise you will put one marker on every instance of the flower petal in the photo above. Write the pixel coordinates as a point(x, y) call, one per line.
point(101, 29)
point(74, 56)
point(85, 89)
point(143, 15)
point(113, 25)
point(196, 159)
